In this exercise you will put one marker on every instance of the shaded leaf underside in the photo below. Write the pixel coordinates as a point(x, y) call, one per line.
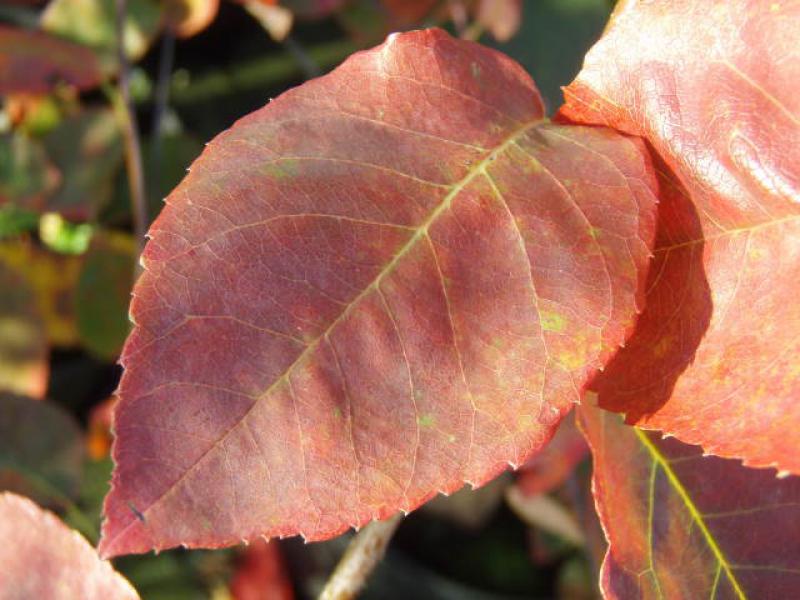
point(713, 86)
point(390, 281)
point(684, 525)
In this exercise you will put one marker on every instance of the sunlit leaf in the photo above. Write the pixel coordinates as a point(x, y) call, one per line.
point(41, 450)
point(714, 87)
point(41, 558)
point(35, 62)
point(391, 280)
point(684, 525)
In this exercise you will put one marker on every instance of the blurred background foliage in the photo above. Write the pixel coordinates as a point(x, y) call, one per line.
point(68, 260)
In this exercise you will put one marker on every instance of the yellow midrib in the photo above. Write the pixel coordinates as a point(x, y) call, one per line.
point(659, 458)
point(419, 233)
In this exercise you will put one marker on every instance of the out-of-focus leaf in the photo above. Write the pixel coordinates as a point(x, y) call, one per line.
point(52, 278)
point(63, 236)
point(189, 17)
point(35, 62)
point(360, 301)
point(34, 114)
point(404, 13)
point(501, 18)
point(41, 450)
point(103, 293)
point(715, 88)
point(684, 525)
point(553, 39)
point(545, 513)
point(87, 149)
point(23, 343)
point(277, 20)
point(15, 221)
point(99, 436)
point(310, 9)
point(261, 574)
point(40, 557)
point(27, 176)
point(550, 468)
point(470, 508)
point(92, 23)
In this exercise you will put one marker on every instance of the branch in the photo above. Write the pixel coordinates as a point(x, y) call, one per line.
point(362, 556)
point(130, 134)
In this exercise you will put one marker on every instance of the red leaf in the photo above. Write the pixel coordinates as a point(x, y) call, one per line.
point(34, 62)
point(261, 575)
point(684, 525)
point(714, 87)
point(552, 467)
point(338, 316)
point(40, 557)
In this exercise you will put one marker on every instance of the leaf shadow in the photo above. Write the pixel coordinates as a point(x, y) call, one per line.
point(640, 378)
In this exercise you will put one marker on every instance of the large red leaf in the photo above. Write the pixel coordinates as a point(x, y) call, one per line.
point(35, 62)
point(715, 88)
point(40, 557)
point(684, 525)
point(391, 280)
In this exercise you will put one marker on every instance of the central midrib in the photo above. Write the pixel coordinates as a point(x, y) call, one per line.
point(419, 233)
point(697, 517)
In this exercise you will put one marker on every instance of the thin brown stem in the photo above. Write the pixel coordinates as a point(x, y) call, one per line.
point(362, 556)
point(130, 134)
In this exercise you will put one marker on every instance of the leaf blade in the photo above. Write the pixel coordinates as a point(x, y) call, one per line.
point(377, 232)
point(717, 101)
point(681, 524)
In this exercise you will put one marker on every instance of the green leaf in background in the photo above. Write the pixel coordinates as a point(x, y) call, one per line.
point(23, 344)
point(92, 23)
point(88, 151)
point(103, 293)
point(41, 450)
point(26, 174)
point(15, 220)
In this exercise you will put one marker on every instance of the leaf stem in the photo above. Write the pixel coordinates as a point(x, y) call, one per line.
point(130, 134)
point(362, 556)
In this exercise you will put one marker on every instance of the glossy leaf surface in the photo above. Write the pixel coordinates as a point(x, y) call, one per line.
point(41, 558)
point(389, 281)
point(35, 62)
point(714, 87)
point(684, 525)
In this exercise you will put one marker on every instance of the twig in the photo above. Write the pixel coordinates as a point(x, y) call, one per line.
point(165, 62)
point(307, 64)
point(130, 134)
point(362, 556)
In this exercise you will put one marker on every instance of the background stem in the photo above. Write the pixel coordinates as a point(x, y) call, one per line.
point(363, 554)
point(130, 134)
